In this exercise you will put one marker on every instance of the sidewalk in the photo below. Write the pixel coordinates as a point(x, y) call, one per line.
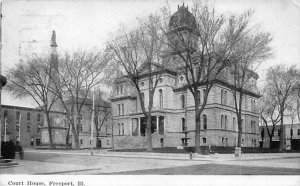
point(171, 156)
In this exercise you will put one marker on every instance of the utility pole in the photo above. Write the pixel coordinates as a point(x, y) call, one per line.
point(92, 125)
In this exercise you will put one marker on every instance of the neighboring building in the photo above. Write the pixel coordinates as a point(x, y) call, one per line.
point(24, 122)
point(84, 121)
point(291, 130)
point(173, 109)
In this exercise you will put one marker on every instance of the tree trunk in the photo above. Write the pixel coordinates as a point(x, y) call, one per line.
point(149, 134)
point(271, 140)
point(240, 130)
point(281, 143)
point(67, 137)
point(198, 122)
point(49, 130)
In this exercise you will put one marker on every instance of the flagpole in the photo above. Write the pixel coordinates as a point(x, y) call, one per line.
point(92, 125)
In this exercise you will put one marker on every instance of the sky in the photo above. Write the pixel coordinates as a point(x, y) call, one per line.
point(87, 24)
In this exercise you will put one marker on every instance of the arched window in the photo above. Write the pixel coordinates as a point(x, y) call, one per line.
point(161, 98)
point(204, 122)
point(222, 121)
point(226, 127)
point(183, 124)
point(182, 101)
point(28, 116)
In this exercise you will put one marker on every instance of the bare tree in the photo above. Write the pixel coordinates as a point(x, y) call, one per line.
point(268, 109)
point(250, 51)
point(204, 46)
point(136, 50)
point(30, 79)
point(282, 82)
point(78, 73)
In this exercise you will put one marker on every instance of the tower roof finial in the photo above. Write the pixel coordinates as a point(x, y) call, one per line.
point(53, 39)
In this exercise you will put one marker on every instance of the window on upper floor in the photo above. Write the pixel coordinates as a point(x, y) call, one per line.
point(226, 123)
point(28, 127)
point(223, 97)
point(200, 99)
point(182, 101)
point(161, 103)
point(123, 129)
point(122, 105)
point(28, 116)
point(5, 113)
point(18, 115)
point(119, 89)
point(119, 109)
point(222, 122)
point(38, 117)
point(204, 122)
point(298, 131)
point(234, 127)
point(183, 127)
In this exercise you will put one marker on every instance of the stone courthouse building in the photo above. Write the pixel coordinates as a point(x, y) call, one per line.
point(173, 114)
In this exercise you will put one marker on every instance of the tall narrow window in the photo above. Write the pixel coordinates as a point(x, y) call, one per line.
point(28, 127)
point(119, 108)
point(38, 117)
point(122, 108)
point(226, 127)
point(222, 101)
point(204, 94)
point(222, 121)
point(119, 128)
point(182, 101)
point(204, 122)
point(225, 97)
point(161, 98)
point(28, 116)
point(199, 94)
point(183, 124)
point(122, 128)
point(233, 124)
